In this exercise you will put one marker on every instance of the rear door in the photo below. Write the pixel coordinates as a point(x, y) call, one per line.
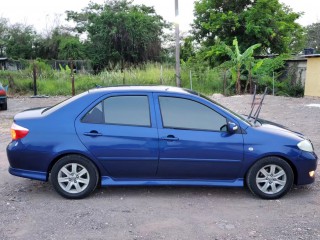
point(193, 142)
point(120, 131)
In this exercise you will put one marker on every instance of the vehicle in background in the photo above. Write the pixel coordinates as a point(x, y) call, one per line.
point(3, 97)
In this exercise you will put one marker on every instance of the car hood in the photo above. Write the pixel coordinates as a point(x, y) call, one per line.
point(279, 129)
point(274, 128)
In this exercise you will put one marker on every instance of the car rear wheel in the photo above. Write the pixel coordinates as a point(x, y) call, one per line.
point(74, 177)
point(270, 178)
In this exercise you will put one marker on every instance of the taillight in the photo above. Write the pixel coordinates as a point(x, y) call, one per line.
point(18, 132)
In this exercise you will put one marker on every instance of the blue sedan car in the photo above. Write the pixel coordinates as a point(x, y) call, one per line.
point(155, 136)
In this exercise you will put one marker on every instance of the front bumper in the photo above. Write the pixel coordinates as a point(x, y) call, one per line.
point(307, 162)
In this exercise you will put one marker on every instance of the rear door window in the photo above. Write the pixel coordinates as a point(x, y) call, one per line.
point(121, 110)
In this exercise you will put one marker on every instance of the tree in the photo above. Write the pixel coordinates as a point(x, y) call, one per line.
point(3, 35)
point(187, 49)
point(265, 21)
point(313, 36)
point(71, 47)
point(218, 18)
point(20, 41)
point(120, 33)
point(49, 47)
point(273, 25)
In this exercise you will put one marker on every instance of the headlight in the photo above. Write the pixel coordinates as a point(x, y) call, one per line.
point(305, 145)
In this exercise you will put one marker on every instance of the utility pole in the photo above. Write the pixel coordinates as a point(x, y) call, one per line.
point(178, 70)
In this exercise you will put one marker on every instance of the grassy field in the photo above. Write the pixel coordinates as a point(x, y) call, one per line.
point(52, 82)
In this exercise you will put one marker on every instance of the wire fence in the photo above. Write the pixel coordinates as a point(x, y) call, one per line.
point(82, 66)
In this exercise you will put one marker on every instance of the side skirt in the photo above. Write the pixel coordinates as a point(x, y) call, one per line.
point(107, 181)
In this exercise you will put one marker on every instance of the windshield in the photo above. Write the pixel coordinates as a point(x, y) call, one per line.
point(221, 106)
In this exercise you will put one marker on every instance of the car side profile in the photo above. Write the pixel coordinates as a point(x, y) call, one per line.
point(156, 135)
point(3, 97)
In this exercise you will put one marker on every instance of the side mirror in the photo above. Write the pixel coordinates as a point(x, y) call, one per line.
point(232, 127)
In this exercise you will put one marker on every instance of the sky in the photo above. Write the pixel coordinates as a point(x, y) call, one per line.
point(43, 14)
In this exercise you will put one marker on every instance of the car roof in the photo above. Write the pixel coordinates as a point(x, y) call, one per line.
point(141, 89)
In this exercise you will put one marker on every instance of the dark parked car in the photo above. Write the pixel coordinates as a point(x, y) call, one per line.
point(155, 136)
point(3, 97)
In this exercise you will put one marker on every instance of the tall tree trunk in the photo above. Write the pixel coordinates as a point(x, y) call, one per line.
point(249, 82)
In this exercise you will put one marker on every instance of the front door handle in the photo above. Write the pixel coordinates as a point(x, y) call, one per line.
point(170, 138)
point(93, 133)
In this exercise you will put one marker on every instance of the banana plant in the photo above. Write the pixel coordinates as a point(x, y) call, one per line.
point(240, 61)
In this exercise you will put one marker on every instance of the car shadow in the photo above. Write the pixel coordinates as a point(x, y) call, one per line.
point(32, 188)
point(171, 191)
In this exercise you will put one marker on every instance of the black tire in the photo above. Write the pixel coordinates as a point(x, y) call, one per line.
point(270, 178)
point(78, 177)
point(5, 106)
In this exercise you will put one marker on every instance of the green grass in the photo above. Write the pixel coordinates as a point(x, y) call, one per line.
point(204, 80)
point(59, 82)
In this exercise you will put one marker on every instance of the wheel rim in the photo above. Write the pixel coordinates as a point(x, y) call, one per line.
point(271, 179)
point(73, 178)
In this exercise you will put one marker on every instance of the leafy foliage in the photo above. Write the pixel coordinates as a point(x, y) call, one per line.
point(240, 61)
point(71, 47)
point(313, 36)
point(20, 41)
point(273, 25)
point(252, 21)
point(187, 50)
point(120, 33)
point(3, 35)
point(59, 44)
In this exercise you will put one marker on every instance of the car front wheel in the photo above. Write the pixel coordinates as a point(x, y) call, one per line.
point(74, 177)
point(270, 178)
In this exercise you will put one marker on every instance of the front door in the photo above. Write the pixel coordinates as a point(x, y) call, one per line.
point(194, 142)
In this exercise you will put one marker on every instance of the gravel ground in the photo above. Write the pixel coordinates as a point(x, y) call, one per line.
point(32, 210)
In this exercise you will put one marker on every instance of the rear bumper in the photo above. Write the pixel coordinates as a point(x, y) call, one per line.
point(42, 176)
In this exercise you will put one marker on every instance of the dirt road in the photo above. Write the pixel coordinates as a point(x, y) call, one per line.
point(32, 210)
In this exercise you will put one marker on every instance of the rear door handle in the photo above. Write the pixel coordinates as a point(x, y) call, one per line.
point(170, 138)
point(93, 133)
